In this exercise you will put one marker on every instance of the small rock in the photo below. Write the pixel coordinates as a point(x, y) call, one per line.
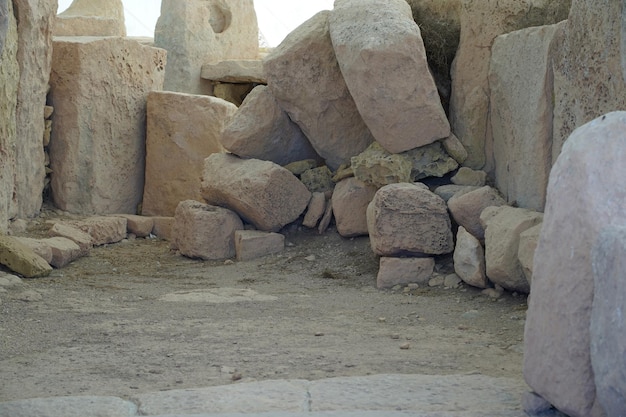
point(311, 258)
point(437, 281)
point(405, 346)
point(395, 336)
point(236, 376)
point(382, 319)
point(229, 262)
point(492, 293)
point(452, 281)
point(319, 334)
point(471, 314)
point(29, 296)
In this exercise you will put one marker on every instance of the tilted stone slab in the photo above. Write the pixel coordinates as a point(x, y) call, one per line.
point(21, 259)
point(235, 71)
point(102, 229)
point(38, 246)
point(261, 192)
point(76, 235)
point(63, 250)
point(382, 58)
point(252, 244)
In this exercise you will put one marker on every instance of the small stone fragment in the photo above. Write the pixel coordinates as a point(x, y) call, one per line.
point(405, 346)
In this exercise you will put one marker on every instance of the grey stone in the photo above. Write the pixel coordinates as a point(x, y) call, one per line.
point(469, 177)
point(69, 407)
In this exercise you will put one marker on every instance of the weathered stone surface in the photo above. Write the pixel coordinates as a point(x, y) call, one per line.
point(260, 129)
point(103, 230)
point(408, 219)
point(584, 198)
point(350, 200)
point(502, 245)
point(528, 241)
point(252, 244)
point(298, 167)
point(315, 210)
point(608, 325)
point(481, 23)
point(381, 54)
point(182, 130)
point(63, 250)
point(325, 111)
point(140, 226)
point(401, 271)
point(204, 231)
point(520, 79)
point(97, 151)
point(450, 190)
point(261, 192)
point(34, 54)
point(589, 71)
point(318, 179)
point(469, 259)
point(9, 80)
point(21, 259)
point(38, 246)
point(454, 148)
point(466, 208)
point(163, 227)
point(467, 176)
point(76, 235)
point(235, 71)
point(326, 218)
point(91, 18)
point(195, 32)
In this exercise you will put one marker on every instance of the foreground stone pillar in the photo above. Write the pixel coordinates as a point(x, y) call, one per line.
point(97, 150)
point(92, 18)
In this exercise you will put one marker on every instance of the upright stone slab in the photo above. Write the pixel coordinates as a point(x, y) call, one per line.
point(520, 79)
point(182, 131)
point(92, 18)
point(585, 196)
point(381, 54)
point(34, 54)
point(195, 32)
point(469, 259)
point(350, 200)
point(97, 150)
point(304, 76)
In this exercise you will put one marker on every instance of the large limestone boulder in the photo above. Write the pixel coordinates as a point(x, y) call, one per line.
point(408, 219)
point(182, 131)
point(466, 208)
point(520, 79)
point(97, 149)
point(304, 76)
point(589, 71)
point(350, 200)
point(262, 130)
point(585, 197)
point(21, 259)
point(34, 55)
point(382, 58)
point(261, 192)
point(195, 32)
point(91, 18)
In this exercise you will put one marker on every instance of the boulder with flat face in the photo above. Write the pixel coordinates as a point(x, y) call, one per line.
point(91, 18)
point(350, 200)
point(466, 208)
point(21, 259)
point(469, 259)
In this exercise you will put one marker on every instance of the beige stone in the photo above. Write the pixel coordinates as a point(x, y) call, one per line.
point(408, 219)
point(102, 229)
point(21, 259)
point(584, 198)
point(140, 226)
point(350, 200)
point(76, 235)
point(63, 250)
point(467, 207)
point(326, 218)
point(163, 227)
point(318, 180)
point(204, 231)
point(469, 260)
point(304, 76)
point(315, 210)
point(450, 190)
point(528, 241)
point(195, 32)
point(261, 192)
point(252, 244)
point(34, 55)
point(402, 271)
point(382, 58)
point(38, 246)
point(91, 18)
point(469, 177)
point(521, 87)
point(454, 148)
point(97, 150)
point(235, 71)
point(182, 130)
point(502, 238)
point(260, 129)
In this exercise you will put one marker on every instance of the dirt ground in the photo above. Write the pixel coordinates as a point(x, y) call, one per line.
point(136, 317)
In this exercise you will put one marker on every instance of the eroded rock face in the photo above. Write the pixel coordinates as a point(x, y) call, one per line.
point(97, 150)
point(584, 198)
point(91, 18)
point(304, 76)
point(182, 131)
point(382, 58)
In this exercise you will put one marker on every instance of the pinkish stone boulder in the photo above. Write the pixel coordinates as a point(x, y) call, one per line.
point(63, 250)
point(38, 246)
point(315, 210)
point(261, 192)
point(469, 259)
point(466, 208)
point(140, 226)
point(350, 200)
point(402, 271)
point(163, 227)
point(73, 233)
point(252, 244)
point(102, 229)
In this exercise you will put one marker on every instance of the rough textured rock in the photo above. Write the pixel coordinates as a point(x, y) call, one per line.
point(252, 244)
point(520, 79)
point(589, 71)
point(261, 129)
point(195, 32)
point(140, 226)
point(381, 54)
point(608, 325)
point(38, 246)
point(584, 198)
point(467, 176)
point(204, 231)
point(163, 227)
point(469, 259)
point(502, 245)
point(235, 71)
point(34, 54)
point(402, 271)
point(73, 233)
point(103, 230)
point(467, 207)
point(350, 200)
point(21, 259)
point(454, 148)
point(481, 23)
point(91, 18)
point(528, 241)
point(315, 210)
point(182, 130)
point(261, 192)
point(63, 250)
point(408, 219)
point(318, 180)
point(97, 151)
point(325, 111)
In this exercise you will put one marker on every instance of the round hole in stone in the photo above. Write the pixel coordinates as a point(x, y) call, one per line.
point(220, 17)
